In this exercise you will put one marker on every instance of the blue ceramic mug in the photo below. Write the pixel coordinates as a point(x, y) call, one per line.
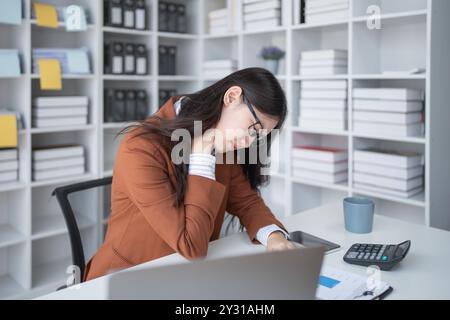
point(358, 214)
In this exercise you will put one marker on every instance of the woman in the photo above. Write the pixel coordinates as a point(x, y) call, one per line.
point(161, 206)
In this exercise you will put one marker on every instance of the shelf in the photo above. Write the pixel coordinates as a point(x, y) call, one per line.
point(337, 186)
point(319, 25)
point(11, 186)
point(61, 26)
point(53, 272)
point(399, 15)
point(9, 236)
point(388, 77)
point(208, 36)
point(70, 76)
point(320, 131)
point(9, 288)
point(116, 125)
point(417, 200)
point(390, 138)
point(64, 180)
point(179, 36)
point(119, 77)
point(177, 78)
point(266, 31)
point(127, 31)
point(62, 129)
point(54, 224)
point(322, 77)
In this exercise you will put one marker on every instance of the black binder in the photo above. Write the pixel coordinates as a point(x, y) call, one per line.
point(130, 105)
point(141, 105)
point(118, 106)
point(112, 13)
point(108, 104)
point(172, 17)
point(172, 52)
point(163, 16)
point(140, 15)
point(141, 59)
point(162, 63)
point(128, 14)
point(130, 59)
point(181, 18)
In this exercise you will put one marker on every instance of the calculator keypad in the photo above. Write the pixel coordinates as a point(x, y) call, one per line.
point(371, 252)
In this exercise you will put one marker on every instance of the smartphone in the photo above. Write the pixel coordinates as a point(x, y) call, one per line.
point(307, 240)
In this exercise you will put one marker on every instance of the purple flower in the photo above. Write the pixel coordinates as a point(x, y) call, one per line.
point(271, 53)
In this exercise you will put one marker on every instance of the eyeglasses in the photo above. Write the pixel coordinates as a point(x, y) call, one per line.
point(255, 128)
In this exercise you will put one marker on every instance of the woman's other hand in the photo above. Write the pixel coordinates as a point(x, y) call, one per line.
point(278, 242)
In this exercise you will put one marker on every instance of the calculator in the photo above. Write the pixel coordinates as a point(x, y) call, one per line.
point(383, 256)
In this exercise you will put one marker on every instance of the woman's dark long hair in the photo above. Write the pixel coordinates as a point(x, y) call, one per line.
point(262, 90)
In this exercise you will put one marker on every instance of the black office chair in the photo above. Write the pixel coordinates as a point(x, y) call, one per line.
point(62, 195)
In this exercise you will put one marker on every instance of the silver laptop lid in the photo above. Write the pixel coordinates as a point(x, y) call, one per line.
point(289, 274)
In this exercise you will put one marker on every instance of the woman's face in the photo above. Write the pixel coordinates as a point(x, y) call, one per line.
point(232, 130)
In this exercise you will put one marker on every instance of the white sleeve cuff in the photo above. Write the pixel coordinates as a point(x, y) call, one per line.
point(263, 233)
point(202, 164)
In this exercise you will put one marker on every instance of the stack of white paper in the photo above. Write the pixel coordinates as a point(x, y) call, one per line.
point(9, 165)
point(324, 11)
point(388, 111)
point(323, 62)
point(399, 174)
point(60, 111)
point(72, 61)
point(57, 161)
point(262, 14)
point(327, 165)
point(323, 105)
point(219, 68)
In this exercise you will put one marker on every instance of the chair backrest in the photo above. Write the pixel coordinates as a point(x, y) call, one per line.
point(62, 195)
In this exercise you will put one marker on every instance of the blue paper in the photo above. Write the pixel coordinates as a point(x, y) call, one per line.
point(328, 282)
point(77, 61)
point(11, 11)
point(9, 63)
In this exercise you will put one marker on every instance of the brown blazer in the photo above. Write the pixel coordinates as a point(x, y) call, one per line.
point(145, 225)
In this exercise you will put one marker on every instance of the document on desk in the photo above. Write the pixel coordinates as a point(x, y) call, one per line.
point(335, 284)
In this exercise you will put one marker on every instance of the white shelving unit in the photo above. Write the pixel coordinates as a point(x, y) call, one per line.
point(34, 244)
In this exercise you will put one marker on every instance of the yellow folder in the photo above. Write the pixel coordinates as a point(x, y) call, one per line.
point(46, 15)
point(8, 131)
point(50, 74)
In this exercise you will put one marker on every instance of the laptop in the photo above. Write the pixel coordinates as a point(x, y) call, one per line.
point(289, 275)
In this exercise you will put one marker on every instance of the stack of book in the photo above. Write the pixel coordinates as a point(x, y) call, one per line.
point(328, 165)
point(60, 111)
point(323, 105)
point(323, 62)
point(72, 61)
point(262, 14)
point(395, 112)
point(323, 11)
point(399, 174)
point(224, 20)
point(219, 68)
point(60, 161)
point(218, 21)
point(9, 165)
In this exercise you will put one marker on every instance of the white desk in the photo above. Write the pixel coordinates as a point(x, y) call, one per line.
point(424, 274)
